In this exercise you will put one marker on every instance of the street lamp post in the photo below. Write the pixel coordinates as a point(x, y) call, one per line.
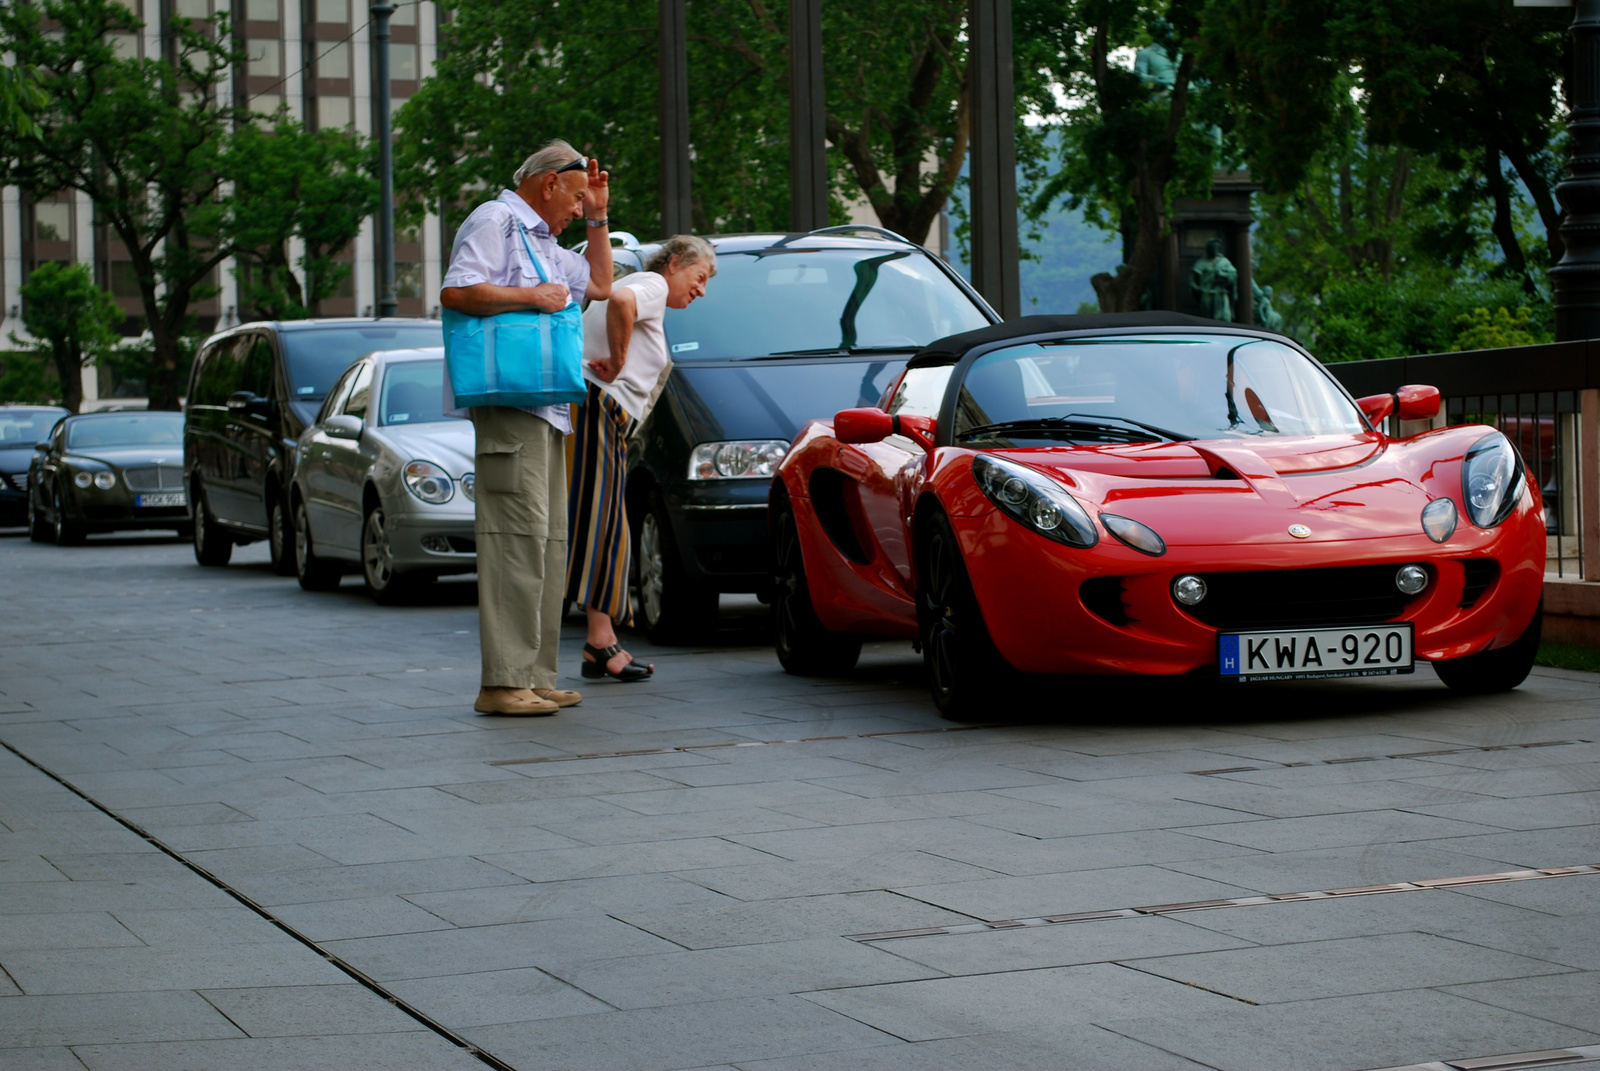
point(387, 304)
point(673, 36)
point(994, 156)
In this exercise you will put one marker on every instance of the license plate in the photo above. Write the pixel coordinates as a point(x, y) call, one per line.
point(1301, 654)
point(171, 498)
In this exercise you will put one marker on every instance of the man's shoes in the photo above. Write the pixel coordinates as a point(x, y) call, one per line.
point(514, 703)
point(558, 697)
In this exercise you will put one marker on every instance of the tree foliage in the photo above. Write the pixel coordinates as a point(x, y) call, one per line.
point(73, 322)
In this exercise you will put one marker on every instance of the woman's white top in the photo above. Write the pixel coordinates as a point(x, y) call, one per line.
point(635, 387)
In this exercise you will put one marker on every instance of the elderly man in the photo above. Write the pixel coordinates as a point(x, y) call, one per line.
point(521, 458)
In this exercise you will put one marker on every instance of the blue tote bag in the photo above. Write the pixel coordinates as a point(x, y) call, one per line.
point(516, 358)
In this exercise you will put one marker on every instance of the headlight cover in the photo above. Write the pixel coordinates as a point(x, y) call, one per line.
point(1141, 537)
point(83, 479)
point(105, 481)
point(469, 486)
point(1439, 519)
point(1035, 501)
point(429, 482)
point(744, 459)
point(1491, 480)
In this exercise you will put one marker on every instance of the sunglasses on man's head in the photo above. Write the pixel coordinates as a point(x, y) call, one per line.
point(580, 164)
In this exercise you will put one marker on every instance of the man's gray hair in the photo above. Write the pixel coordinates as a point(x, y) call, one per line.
point(552, 155)
point(689, 250)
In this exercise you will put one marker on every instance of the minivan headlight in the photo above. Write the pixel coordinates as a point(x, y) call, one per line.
point(1035, 501)
point(738, 460)
point(1491, 480)
point(429, 482)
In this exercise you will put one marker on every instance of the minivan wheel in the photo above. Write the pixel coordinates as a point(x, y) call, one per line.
point(212, 545)
point(313, 573)
point(280, 536)
point(377, 562)
point(670, 609)
point(67, 534)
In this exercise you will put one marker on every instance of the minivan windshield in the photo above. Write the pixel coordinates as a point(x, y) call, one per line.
point(820, 301)
point(1126, 389)
point(316, 356)
point(126, 429)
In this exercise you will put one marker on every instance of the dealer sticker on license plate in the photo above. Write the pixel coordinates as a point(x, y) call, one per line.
point(171, 498)
point(1300, 654)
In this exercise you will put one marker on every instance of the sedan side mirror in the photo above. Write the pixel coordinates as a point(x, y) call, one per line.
point(342, 426)
point(1417, 402)
point(1376, 406)
point(862, 426)
point(42, 447)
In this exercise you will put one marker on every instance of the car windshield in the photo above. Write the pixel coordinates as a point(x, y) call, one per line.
point(772, 401)
point(24, 427)
point(1148, 389)
point(413, 393)
point(126, 429)
point(316, 356)
point(778, 301)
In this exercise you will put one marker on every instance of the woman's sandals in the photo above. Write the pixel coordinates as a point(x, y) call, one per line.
point(601, 655)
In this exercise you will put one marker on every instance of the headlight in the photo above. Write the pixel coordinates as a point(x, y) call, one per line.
point(1491, 480)
point(105, 481)
point(429, 482)
point(1035, 500)
point(754, 459)
point(469, 486)
point(83, 479)
point(1140, 537)
point(1439, 519)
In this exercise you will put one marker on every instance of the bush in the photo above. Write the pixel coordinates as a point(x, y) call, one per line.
point(1365, 318)
point(1482, 330)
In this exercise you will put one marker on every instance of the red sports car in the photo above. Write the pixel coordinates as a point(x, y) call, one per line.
point(1152, 493)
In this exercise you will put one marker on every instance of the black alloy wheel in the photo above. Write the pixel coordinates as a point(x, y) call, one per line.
point(65, 532)
point(965, 672)
point(1499, 670)
point(386, 586)
point(670, 609)
point(313, 573)
point(280, 535)
point(805, 646)
point(213, 546)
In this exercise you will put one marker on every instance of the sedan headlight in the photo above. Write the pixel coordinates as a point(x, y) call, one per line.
point(755, 459)
point(1140, 537)
point(469, 486)
point(105, 481)
point(1491, 480)
point(1035, 500)
point(429, 482)
point(83, 480)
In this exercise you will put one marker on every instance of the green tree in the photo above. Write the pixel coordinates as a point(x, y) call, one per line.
point(289, 182)
point(143, 137)
point(73, 322)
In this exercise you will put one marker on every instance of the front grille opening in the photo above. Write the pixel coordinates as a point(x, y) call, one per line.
point(1302, 598)
point(462, 544)
point(154, 478)
point(1103, 597)
point(1481, 573)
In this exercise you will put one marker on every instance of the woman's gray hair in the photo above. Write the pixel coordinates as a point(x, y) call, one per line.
point(689, 250)
point(550, 156)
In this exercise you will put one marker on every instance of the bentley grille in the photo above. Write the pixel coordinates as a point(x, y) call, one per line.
point(154, 478)
point(1301, 598)
point(19, 480)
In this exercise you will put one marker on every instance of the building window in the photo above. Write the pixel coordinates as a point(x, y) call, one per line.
point(402, 62)
point(265, 103)
point(405, 13)
point(52, 222)
point(266, 59)
point(125, 45)
point(261, 10)
point(333, 112)
point(407, 279)
point(192, 9)
point(333, 11)
point(333, 61)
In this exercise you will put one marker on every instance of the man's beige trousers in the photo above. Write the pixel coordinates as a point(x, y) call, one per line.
point(522, 546)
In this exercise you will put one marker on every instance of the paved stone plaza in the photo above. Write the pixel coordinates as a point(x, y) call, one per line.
point(288, 843)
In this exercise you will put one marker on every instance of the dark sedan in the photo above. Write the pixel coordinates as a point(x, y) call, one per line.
point(21, 426)
point(109, 472)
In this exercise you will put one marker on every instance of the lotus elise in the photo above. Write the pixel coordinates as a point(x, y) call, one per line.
point(1152, 493)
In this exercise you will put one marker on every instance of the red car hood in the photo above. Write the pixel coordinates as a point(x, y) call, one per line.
point(1229, 491)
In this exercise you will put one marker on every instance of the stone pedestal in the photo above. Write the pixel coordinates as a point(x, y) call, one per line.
point(1225, 215)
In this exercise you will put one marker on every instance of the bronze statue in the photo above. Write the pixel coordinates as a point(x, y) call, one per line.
point(1266, 316)
point(1214, 283)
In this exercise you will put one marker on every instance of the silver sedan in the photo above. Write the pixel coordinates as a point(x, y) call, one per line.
point(383, 480)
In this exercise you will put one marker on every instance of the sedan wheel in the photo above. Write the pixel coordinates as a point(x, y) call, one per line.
point(280, 537)
point(669, 609)
point(377, 561)
point(67, 534)
point(313, 573)
point(805, 646)
point(39, 530)
point(964, 669)
point(1495, 671)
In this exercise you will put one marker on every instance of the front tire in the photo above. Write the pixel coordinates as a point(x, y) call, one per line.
point(670, 609)
point(313, 573)
point(212, 545)
point(38, 528)
point(964, 669)
point(806, 647)
point(1495, 671)
point(280, 536)
point(66, 533)
point(386, 586)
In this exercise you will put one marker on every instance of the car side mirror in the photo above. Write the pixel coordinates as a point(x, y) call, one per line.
point(1417, 402)
point(342, 426)
point(859, 427)
point(1376, 406)
point(42, 447)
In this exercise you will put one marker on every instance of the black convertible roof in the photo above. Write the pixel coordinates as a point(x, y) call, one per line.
point(952, 348)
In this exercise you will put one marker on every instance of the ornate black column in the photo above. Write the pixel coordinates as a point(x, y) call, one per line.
point(1576, 278)
point(808, 144)
point(676, 215)
point(994, 155)
point(387, 305)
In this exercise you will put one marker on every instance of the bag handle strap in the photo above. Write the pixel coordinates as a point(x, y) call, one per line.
point(523, 231)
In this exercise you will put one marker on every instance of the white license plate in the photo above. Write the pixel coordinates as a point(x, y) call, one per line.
point(1299, 654)
point(171, 498)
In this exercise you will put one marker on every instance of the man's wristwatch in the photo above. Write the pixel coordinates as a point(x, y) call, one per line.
point(599, 222)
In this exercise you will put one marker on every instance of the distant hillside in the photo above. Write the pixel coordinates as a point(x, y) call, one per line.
point(1069, 251)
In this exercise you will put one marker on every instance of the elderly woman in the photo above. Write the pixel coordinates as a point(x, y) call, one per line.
point(626, 364)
